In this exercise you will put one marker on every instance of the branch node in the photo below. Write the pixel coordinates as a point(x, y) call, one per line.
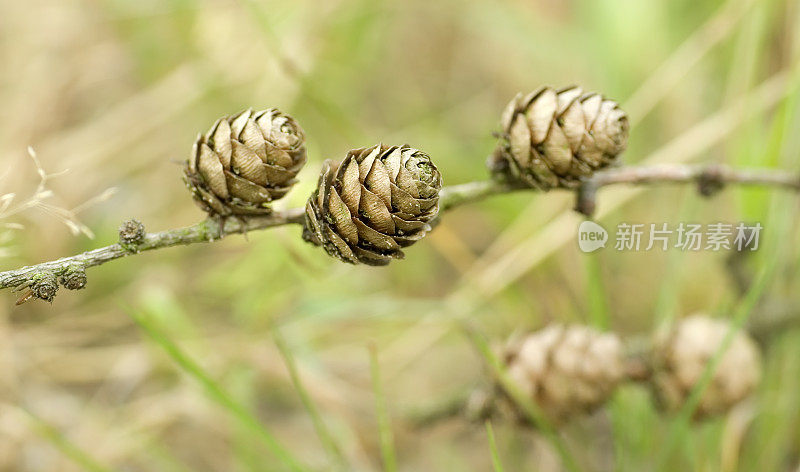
point(585, 198)
point(711, 180)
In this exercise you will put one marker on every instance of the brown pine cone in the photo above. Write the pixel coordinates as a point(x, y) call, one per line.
point(681, 355)
point(245, 161)
point(554, 138)
point(374, 202)
point(566, 370)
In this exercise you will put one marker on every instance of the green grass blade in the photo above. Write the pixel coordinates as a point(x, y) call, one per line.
point(63, 444)
point(668, 296)
point(529, 408)
point(163, 458)
point(384, 427)
point(247, 454)
point(496, 464)
point(682, 420)
point(332, 447)
point(216, 393)
point(596, 298)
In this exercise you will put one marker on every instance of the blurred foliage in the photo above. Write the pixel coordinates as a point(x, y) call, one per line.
point(115, 91)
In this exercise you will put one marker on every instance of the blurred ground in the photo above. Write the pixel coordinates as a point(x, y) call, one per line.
point(115, 91)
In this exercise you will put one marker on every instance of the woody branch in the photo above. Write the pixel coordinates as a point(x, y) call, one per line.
point(709, 179)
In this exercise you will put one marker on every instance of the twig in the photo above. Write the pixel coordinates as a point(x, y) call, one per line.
point(455, 195)
point(205, 231)
point(709, 178)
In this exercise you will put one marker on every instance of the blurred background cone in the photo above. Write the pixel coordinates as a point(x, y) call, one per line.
point(682, 353)
point(566, 370)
